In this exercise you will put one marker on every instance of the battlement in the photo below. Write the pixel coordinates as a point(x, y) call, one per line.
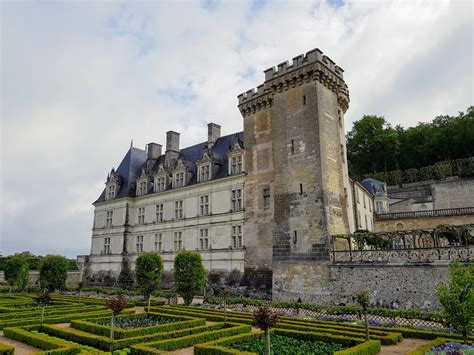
point(301, 66)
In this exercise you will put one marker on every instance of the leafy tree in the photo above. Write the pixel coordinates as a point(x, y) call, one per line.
point(12, 269)
point(116, 305)
point(189, 275)
point(363, 299)
point(23, 280)
point(148, 271)
point(43, 299)
point(53, 273)
point(265, 319)
point(457, 298)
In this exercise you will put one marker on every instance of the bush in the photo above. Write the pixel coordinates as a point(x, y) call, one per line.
point(189, 275)
point(12, 269)
point(457, 298)
point(6, 349)
point(23, 279)
point(53, 272)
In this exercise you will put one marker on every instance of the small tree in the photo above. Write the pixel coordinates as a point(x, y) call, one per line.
point(23, 280)
point(12, 269)
point(53, 272)
point(43, 299)
point(265, 319)
point(116, 305)
point(189, 275)
point(457, 298)
point(224, 295)
point(149, 271)
point(363, 299)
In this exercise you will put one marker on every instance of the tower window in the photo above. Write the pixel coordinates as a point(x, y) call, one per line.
point(266, 197)
point(301, 189)
point(292, 146)
point(295, 237)
point(304, 99)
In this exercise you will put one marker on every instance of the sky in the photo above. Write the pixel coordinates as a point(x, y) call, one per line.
point(81, 79)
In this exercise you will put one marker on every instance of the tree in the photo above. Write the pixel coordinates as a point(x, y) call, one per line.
point(457, 298)
point(363, 299)
point(53, 272)
point(224, 295)
point(189, 275)
point(43, 299)
point(265, 319)
point(23, 280)
point(116, 305)
point(148, 272)
point(12, 269)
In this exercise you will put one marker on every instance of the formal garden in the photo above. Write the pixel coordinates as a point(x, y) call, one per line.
point(148, 320)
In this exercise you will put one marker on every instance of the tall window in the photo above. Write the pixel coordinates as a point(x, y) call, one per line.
point(141, 215)
point(236, 201)
point(204, 205)
point(363, 196)
point(379, 207)
point(158, 242)
point(108, 220)
point(142, 188)
point(178, 209)
point(160, 184)
point(266, 197)
point(139, 244)
point(236, 165)
point(178, 241)
point(107, 245)
point(204, 239)
point(370, 205)
point(159, 212)
point(179, 179)
point(359, 219)
point(237, 236)
point(205, 173)
point(111, 192)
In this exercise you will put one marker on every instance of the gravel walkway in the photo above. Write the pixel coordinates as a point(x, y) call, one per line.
point(404, 347)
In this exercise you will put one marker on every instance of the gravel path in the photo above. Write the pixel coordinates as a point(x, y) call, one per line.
point(20, 348)
point(404, 347)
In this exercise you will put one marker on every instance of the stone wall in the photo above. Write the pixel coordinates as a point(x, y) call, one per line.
point(73, 278)
point(453, 194)
point(393, 225)
point(389, 285)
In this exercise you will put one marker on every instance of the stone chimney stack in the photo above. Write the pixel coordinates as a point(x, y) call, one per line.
point(213, 133)
point(172, 141)
point(153, 150)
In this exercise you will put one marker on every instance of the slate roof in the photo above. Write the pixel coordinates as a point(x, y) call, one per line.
point(375, 187)
point(131, 165)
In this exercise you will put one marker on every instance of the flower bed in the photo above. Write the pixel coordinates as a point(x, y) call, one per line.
point(137, 322)
point(286, 345)
point(452, 348)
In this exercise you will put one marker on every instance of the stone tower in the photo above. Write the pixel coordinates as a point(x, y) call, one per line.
point(297, 179)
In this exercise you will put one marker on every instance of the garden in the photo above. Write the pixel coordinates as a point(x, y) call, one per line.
point(52, 321)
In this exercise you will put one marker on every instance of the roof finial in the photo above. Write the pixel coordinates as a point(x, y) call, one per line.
point(131, 143)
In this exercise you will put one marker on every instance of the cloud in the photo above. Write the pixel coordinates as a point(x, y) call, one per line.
point(80, 80)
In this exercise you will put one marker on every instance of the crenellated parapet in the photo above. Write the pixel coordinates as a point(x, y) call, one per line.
point(314, 66)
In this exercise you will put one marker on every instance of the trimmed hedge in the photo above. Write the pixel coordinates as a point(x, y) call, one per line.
point(422, 349)
point(191, 340)
point(59, 319)
point(6, 349)
point(119, 333)
point(369, 347)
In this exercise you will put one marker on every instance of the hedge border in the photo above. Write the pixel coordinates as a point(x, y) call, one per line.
point(6, 349)
point(422, 349)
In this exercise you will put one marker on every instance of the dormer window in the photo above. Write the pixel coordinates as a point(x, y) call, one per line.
point(142, 188)
point(179, 179)
point(204, 173)
point(111, 192)
point(236, 165)
point(160, 183)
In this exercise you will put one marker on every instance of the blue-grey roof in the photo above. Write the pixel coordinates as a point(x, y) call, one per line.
point(375, 187)
point(131, 165)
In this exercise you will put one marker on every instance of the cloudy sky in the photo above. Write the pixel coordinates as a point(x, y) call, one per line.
point(80, 79)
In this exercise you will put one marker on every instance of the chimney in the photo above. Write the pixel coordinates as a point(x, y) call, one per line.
point(153, 150)
point(172, 141)
point(213, 133)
